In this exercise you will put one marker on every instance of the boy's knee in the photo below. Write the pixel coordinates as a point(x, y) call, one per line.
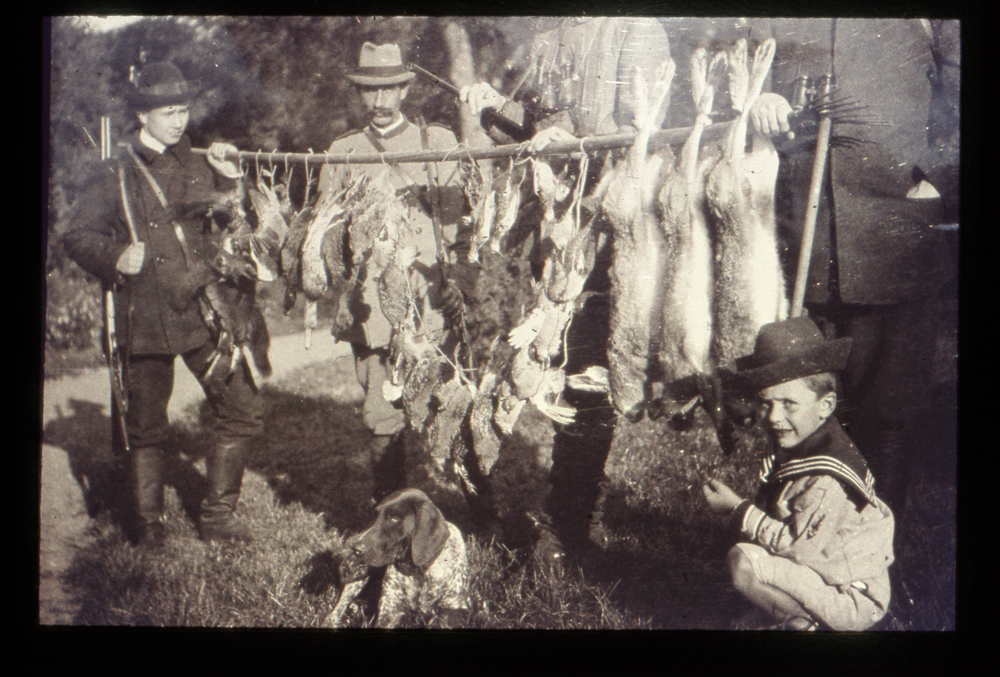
point(741, 569)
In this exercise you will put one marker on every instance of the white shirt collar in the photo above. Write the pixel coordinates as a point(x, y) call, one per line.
point(147, 140)
point(383, 131)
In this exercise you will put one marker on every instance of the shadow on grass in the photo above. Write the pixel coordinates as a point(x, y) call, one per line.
point(313, 451)
point(664, 552)
point(663, 566)
point(104, 475)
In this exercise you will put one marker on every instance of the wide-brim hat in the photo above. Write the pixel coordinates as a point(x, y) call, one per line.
point(791, 349)
point(380, 65)
point(161, 84)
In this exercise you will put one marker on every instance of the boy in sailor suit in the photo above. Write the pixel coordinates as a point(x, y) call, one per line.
point(817, 551)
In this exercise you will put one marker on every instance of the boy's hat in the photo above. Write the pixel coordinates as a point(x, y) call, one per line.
point(791, 349)
point(380, 65)
point(161, 84)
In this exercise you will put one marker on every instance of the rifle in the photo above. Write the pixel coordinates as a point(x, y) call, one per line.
point(512, 112)
point(119, 396)
point(116, 369)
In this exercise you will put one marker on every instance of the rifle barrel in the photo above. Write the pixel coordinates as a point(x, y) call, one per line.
point(443, 84)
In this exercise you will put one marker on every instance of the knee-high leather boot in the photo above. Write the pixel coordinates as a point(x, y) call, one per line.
point(225, 477)
point(147, 487)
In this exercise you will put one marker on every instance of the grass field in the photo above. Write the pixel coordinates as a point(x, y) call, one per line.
point(662, 566)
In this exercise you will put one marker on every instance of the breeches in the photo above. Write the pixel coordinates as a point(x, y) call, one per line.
point(236, 405)
point(372, 369)
point(839, 607)
point(581, 448)
point(889, 370)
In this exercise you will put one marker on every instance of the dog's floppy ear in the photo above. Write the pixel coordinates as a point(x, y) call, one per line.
point(429, 535)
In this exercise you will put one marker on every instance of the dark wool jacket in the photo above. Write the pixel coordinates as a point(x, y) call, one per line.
point(873, 245)
point(156, 311)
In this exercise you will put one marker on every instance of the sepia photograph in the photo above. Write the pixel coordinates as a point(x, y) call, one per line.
point(501, 323)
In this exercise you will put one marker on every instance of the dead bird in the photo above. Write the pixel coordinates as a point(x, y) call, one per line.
point(290, 254)
point(312, 268)
point(271, 231)
point(239, 329)
point(508, 202)
point(540, 337)
point(325, 262)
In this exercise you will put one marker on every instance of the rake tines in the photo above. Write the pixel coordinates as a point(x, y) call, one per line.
point(840, 109)
point(839, 141)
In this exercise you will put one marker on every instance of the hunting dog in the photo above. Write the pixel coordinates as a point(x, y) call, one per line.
point(426, 559)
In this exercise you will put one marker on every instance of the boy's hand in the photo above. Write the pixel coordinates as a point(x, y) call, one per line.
point(217, 159)
point(721, 499)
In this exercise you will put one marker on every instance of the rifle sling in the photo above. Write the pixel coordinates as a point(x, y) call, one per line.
point(178, 231)
point(435, 199)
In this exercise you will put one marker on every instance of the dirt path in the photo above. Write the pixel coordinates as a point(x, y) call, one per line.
point(63, 515)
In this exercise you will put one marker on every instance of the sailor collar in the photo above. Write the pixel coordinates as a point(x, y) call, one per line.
point(828, 451)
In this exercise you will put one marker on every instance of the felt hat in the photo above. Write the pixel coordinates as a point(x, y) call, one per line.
point(161, 84)
point(380, 65)
point(791, 349)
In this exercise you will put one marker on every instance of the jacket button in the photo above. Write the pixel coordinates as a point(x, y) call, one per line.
point(152, 225)
point(160, 259)
point(418, 230)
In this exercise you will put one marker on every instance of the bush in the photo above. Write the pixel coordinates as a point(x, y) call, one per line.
point(73, 311)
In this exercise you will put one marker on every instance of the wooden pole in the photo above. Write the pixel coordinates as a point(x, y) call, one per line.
point(661, 138)
point(812, 210)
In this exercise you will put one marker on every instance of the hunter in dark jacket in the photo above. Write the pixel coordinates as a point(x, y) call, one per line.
point(881, 264)
point(143, 229)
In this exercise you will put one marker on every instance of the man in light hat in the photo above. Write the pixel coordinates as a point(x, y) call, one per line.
point(817, 554)
point(143, 229)
point(382, 81)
